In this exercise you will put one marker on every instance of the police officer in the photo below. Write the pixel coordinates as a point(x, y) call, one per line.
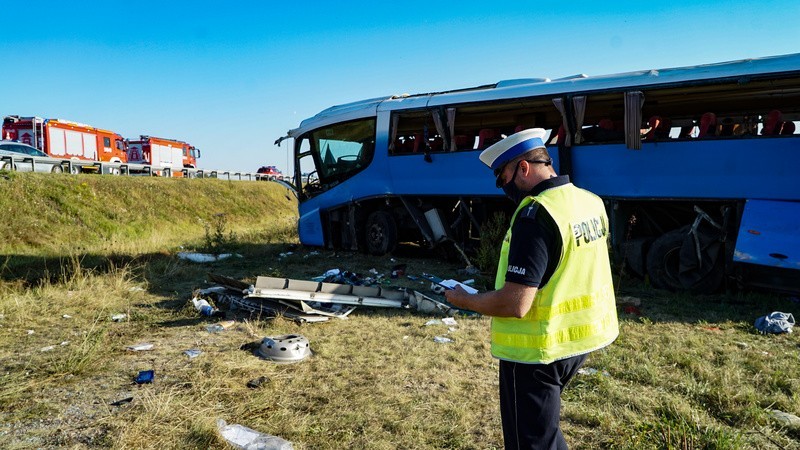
point(553, 301)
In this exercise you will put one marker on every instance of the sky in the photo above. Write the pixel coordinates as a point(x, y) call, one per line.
point(231, 78)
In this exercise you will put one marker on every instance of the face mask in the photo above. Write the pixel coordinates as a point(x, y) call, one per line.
point(512, 191)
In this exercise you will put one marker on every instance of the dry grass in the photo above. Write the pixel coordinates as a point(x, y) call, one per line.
point(688, 373)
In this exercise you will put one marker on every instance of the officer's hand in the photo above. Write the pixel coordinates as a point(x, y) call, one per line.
point(457, 297)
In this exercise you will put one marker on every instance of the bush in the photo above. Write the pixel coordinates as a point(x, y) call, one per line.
point(492, 234)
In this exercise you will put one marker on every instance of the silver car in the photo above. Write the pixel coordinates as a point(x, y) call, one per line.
point(18, 150)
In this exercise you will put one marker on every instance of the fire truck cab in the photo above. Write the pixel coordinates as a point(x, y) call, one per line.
point(163, 154)
point(66, 139)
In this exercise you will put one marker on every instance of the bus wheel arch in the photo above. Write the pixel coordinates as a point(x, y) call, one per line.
point(380, 233)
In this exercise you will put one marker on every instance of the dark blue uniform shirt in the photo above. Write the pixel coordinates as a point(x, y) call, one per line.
point(535, 249)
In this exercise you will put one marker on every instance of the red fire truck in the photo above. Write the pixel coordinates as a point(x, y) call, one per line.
point(163, 154)
point(66, 139)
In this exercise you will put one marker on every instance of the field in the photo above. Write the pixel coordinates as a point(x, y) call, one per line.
point(687, 372)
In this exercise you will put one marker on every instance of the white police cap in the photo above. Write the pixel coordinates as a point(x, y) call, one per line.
point(509, 148)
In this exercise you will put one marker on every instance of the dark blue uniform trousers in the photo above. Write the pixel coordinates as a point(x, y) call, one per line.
point(530, 402)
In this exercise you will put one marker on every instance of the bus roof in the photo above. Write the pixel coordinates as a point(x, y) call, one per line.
point(518, 88)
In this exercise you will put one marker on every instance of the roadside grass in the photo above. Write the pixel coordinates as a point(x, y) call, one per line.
point(688, 372)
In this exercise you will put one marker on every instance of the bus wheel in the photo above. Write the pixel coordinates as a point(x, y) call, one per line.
point(664, 258)
point(381, 233)
point(75, 170)
point(56, 169)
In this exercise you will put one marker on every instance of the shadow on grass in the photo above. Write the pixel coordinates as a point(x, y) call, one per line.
point(174, 279)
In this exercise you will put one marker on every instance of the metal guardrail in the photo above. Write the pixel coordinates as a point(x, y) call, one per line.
point(75, 166)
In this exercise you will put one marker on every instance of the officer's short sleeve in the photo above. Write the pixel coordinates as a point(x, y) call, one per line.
point(534, 249)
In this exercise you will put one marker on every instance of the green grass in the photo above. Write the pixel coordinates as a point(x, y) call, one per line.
point(690, 372)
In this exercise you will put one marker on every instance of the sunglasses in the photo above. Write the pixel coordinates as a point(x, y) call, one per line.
point(498, 182)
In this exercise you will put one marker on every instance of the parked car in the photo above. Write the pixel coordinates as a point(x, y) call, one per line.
point(18, 150)
point(271, 173)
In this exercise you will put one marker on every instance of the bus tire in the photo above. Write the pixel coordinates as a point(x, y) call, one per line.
point(663, 260)
point(380, 233)
point(56, 169)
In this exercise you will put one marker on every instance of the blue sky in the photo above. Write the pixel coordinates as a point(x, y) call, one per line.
point(230, 78)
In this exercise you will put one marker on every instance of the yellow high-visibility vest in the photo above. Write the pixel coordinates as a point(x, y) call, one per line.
point(575, 312)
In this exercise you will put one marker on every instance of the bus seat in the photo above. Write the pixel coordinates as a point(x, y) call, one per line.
point(708, 125)
point(727, 127)
point(788, 128)
point(436, 144)
point(561, 134)
point(772, 123)
point(487, 137)
point(654, 122)
point(464, 142)
point(419, 143)
point(663, 128)
point(686, 132)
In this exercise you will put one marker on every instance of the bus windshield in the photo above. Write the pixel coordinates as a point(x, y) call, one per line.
point(342, 150)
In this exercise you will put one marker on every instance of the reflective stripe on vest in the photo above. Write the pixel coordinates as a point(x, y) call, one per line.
point(575, 312)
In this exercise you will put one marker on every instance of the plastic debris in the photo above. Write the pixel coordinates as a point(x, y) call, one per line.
point(66, 316)
point(776, 322)
point(144, 377)
point(204, 307)
point(256, 383)
point(591, 371)
point(122, 401)
point(192, 353)
point(245, 438)
point(449, 321)
point(285, 254)
point(119, 317)
point(433, 322)
point(203, 257)
point(221, 326)
point(47, 349)
point(442, 339)
point(30, 332)
point(140, 347)
point(784, 419)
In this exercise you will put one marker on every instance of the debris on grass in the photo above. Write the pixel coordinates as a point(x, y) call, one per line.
point(591, 371)
point(776, 322)
point(256, 383)
point(287, 348)
point(204, 257)
point(243, 438)
point(784, 419)
point(145, 377)
point(314, 301)
point(143, 347)
point(192, 353)
point(221, 326)
point(442, 339)
point(119, 317)
point(121, 401)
